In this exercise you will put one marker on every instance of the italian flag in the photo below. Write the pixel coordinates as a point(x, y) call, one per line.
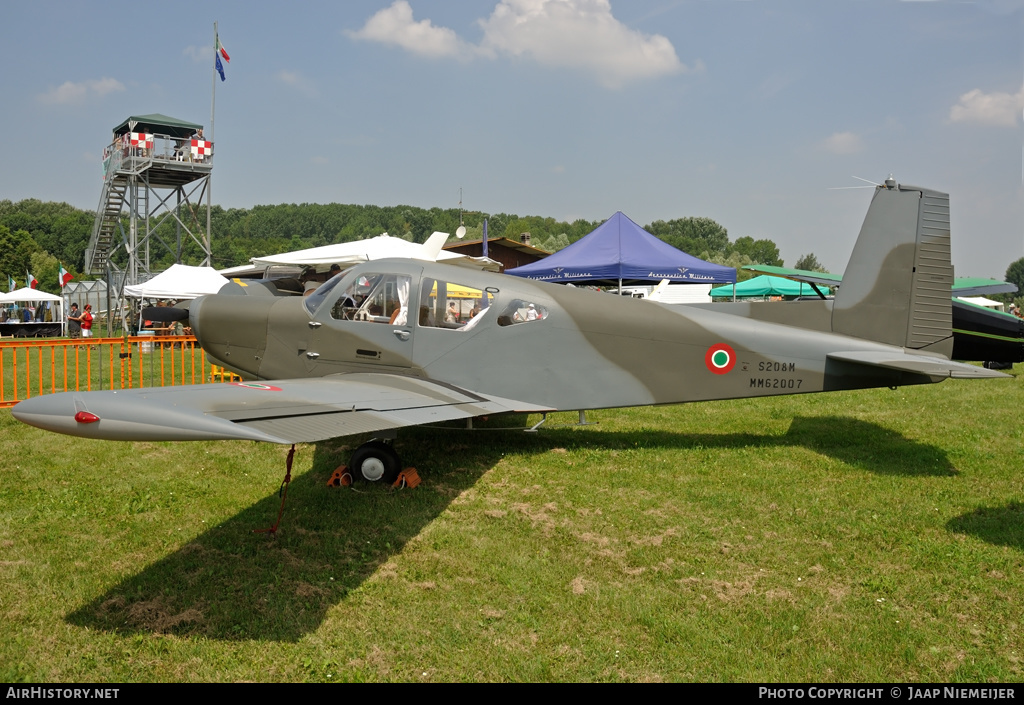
point(11, 284)
point(221, 50)
point(63, 276)
point(31, 281)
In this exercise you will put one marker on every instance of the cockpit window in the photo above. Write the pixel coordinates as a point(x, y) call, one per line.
point(452, 306)
point(375, 298)
point(520, 311)
point(353, 296)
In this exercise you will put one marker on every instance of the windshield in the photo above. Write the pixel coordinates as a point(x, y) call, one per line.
point(313, 301)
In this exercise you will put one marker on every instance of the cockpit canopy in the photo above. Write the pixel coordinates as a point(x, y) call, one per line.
point(380, 294)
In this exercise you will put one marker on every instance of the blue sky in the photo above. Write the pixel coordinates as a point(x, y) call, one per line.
point(745, 112)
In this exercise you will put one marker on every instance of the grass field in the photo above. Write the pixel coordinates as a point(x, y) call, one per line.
point(854, 536)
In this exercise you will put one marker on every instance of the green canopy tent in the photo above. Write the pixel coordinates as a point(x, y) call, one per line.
point(763, 287)
point(158, 124)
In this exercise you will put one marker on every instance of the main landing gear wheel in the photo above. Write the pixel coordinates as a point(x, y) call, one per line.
point(375, 461)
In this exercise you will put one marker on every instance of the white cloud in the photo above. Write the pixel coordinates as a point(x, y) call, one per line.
point(395, 25)
point(575, 34)
point(579, 34)
point(199, 54)
point(1001, 109)
point(70, 92)
point(297, 81)
point(843, 143)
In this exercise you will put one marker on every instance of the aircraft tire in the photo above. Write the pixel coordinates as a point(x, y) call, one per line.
point(375, 461)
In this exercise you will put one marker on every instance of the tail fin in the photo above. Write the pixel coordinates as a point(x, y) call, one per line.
point(433, 246)
point(897, 287)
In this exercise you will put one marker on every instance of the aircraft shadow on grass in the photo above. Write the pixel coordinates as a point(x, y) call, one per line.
point(231, 584)
point(1000, 526)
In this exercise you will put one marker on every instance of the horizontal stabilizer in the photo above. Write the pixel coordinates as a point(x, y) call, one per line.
point(917, 364)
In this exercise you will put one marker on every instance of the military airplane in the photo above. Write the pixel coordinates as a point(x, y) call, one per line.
point(395, 343)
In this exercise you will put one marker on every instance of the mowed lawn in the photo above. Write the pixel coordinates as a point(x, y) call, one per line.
point(855, 536)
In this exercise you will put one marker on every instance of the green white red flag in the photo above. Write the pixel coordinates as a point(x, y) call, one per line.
point(221, 50)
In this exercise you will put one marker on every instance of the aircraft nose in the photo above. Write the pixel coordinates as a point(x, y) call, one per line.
point(232, 329)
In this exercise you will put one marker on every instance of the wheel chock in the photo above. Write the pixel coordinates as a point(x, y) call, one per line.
point(341, 477)
point(407, 478)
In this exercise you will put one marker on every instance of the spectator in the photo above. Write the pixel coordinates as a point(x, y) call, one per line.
point(74, 321)
point(86, 321)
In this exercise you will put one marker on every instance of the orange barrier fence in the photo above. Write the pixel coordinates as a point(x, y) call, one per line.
point(34, 367)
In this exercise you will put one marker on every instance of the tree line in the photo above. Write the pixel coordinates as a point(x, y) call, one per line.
point(38, 236)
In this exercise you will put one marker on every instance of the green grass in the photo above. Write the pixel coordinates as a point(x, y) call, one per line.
point(855, 536)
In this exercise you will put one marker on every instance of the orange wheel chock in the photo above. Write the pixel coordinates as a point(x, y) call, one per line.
point(341, 477)
point(407, 478)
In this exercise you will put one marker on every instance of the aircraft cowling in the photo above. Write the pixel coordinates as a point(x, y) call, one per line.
point(232, 329)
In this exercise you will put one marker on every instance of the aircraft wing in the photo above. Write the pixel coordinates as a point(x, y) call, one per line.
point(797, 275)
point(918, 364)
point(288, 411)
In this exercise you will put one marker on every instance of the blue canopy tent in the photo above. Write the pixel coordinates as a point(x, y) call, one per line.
point(620, 251)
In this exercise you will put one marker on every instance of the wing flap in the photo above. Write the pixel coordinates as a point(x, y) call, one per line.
point(309, 428)
point(917, 364)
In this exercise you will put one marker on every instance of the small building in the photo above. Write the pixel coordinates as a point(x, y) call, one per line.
point(501, 249)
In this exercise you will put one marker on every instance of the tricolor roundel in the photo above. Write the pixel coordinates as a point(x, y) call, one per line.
point(257, 385)
point(720, 358)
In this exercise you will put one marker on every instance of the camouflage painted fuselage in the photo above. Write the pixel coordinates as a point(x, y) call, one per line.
point(592, 349)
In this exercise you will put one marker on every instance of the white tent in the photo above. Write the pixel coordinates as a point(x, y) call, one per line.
point(179, 282)
point(347, 254)
point(31, 295)
point(982, 301)
point(27, 294)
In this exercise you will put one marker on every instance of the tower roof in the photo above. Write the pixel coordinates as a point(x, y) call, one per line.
point(158, 123)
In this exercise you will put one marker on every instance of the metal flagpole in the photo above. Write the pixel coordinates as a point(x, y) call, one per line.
point(213, 81)
point(209, 176)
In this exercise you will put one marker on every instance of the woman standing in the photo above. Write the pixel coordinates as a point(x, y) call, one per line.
point(86, 321)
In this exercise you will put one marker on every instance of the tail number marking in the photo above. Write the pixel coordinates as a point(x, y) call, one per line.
point(775, 383)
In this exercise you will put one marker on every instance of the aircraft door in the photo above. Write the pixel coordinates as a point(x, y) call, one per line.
point(363, 324)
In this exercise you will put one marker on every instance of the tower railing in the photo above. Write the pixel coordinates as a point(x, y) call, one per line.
point(123, 155)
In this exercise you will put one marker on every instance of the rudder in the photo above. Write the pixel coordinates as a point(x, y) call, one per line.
point(897, 288)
